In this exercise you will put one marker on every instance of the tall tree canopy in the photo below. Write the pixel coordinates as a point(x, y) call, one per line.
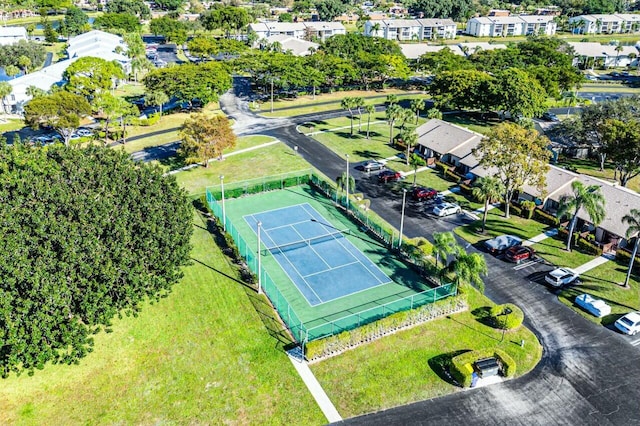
point(90, 75)
point(225, 18)
point(204, 138)
point(60, 110)
point(75, 22)
point(349, 45)
point(87, 234)
point(519, 156)
point(189, 82)
point(328, 10)
point(458, 10)
point(131, 7)
point(10, 54)
point(172, 29)
point(124, 22)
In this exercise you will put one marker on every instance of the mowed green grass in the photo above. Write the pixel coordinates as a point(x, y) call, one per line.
point(398, 369)
point(306, 104)
point(200, 356)
point(11, 125)
point(262, 162)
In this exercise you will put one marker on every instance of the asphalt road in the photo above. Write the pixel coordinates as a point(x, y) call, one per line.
point(588, 375)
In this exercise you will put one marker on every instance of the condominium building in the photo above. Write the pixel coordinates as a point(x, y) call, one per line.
point(505, 26)
point(410, 29)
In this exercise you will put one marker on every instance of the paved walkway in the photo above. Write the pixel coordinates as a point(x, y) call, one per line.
point(316, 390)
point(593, 264)
point(546, 234)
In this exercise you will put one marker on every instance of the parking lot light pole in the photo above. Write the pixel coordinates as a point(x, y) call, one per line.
point(224, 216)
point(404, 197)
point(347, 204)
point(259, 261)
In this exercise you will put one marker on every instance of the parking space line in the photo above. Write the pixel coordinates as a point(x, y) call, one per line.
point(636, 342)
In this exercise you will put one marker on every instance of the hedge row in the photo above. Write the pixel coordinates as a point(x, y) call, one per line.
point(580, 243)
point(346, 340)
point(149, 121)
point(452, 176)
point(462, 365)
point(544, 217)
point(624, 256)
point(509, 321)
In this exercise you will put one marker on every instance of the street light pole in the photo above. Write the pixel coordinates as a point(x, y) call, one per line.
point(224, 215)
point(259, 261)
point(404, 197)
point(347, 204)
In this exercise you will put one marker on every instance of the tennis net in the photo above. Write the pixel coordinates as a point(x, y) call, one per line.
point(307, 242)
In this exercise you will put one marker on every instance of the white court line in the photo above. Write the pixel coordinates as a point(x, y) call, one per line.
point(331, 269)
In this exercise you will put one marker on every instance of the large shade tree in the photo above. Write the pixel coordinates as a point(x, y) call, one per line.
point(204, 138)
point(87, 234)
point(518, 156)
point(487, 189)
point(60, 110)
point(587, 198)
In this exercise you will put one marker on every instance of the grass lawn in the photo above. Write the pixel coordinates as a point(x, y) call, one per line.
point(497, 224)
point(164, 131)
point(399, 369)
point(602, 282)
point(553, 250)
point(471, 123)
point(609, 87)
point(271, 160)
point(130, 89)
point(59, 50)
point(11, 125)
point(204, 354)
point(592, 168)
point(306, 104)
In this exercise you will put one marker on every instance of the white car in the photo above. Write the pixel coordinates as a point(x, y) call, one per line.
point(446, 209)
point(561, 277)
point(84, 132)
point(592, 305)
point(501, 243)
point(629, 324)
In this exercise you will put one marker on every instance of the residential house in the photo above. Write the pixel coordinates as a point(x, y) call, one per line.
point(411, 29)
point(11, 35)
point(603, 55)
point(505, 26)
point(605, 24)
point(295, 46)
point(323, 30)
point(454, 145)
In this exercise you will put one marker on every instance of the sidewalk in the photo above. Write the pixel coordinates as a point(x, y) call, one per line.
point(531, 241)
point(593, 264)
point(316, 390)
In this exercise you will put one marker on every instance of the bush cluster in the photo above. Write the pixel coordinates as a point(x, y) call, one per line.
point(350, 338)
point(149, 121)
point(452, 176)
point(462, 365)
point(509, 321)
point(544, 217)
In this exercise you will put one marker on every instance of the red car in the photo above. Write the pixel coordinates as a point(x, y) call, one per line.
point(420, 193)
point(519, 253)
point(389, 176)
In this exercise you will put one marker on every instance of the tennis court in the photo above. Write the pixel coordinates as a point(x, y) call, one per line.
point(317, 257)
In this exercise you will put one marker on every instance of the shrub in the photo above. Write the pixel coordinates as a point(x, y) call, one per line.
point(452, 176)
point(544, 217)
point(440, 166)
point(623, 256)
point(509, 321)
point(588, 247)
point(513, 209)
point(149, 121)
point(462, 365)
point(465, 189)
point(422, 245)
point(528, 207)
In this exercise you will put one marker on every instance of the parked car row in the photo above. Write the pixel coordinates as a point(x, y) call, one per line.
point(49, 138)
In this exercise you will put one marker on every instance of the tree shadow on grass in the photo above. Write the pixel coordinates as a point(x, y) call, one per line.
point(441, 364)
point(368, 154)
point(483, 316)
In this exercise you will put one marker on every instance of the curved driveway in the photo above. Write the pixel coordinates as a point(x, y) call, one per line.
point(588, 375)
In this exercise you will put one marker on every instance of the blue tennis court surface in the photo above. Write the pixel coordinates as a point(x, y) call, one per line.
point(322, 263)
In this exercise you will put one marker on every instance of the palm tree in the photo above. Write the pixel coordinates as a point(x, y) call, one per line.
point(375, 28)
point(470, 268)
point(486, 190)
point(588, 198)
point(392, 99)
point(434, 113)
point(394, 112)
point(5, 91)
point(417, 105)
point(444, 244)
point(618, 50)
point(633, 230)
point(156, 98)
point(410, 139)
point(349, 103)
point(370, 109)
point(416, 161)
point(359, 103)
point(34, 91)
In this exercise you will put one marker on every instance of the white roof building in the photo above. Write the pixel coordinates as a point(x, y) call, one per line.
point(295, 46)
point(300, 30)
point(11, 35)
point(605, 24)
point(503, 26)
point(415, 50)
point(94, 43)
point(410, 29)
point(604, 53)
